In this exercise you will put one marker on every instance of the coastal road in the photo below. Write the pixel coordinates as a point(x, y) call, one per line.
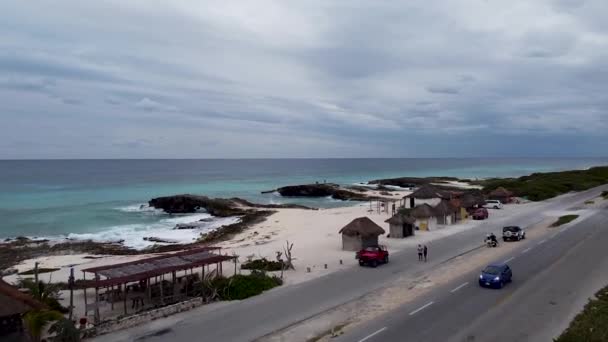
point(256, 317)
point(552, 279)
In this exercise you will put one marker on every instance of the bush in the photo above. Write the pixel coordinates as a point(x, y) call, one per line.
point(262, 265)
point(541, 186)
point(592, 323)
point(241, 286)
point(564, 219)
point(40, 271)
point(605, 194)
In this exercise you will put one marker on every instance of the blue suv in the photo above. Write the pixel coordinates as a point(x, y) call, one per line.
point(495, 275)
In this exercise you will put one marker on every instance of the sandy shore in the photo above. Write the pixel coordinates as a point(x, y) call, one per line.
point(314, 235)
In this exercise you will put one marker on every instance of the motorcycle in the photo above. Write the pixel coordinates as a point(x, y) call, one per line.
point(491, 243)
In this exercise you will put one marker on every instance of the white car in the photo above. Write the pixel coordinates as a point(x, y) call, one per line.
point(494, 204)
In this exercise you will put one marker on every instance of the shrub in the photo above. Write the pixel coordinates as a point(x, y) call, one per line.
point(605, 194)
point(263, 265)
point(541, 186)
point(592, 323)
point(240, 286)
point(564, 219)
point(40, 270)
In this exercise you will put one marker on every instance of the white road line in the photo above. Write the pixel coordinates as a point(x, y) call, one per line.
point(526, 250)
point(506, 261)
point(542, 241)
point(421, 308)
point(372, 335)
point(459, 287)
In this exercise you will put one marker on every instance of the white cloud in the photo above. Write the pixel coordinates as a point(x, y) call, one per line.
point(322, 73)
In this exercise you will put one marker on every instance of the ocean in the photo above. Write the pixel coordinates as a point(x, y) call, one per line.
point(105, 200)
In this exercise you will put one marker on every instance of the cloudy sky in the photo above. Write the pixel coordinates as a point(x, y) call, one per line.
point(315, 78)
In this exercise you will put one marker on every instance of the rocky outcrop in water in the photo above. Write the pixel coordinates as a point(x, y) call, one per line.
point(185, 204)
point(322, 190)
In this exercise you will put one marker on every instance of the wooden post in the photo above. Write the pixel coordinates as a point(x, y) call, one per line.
point(125, 298)
point(84, 277)
point(162, 297)
point(149, 290)
point(221, 268)
point(97, 318)
point(112, 297)
point(234, 266)
point(71, 284)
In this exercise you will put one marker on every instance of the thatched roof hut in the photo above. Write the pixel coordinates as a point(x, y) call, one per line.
point(400, 219)
point(444, 208)
point(501, 192)
point(422, 211)
point(15, 302)
point(401, 226)
point(428, 192)
point(472, 199)
point(363, 226)
point(360, 233)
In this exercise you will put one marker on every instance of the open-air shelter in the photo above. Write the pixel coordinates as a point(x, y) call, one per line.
point(143, 281)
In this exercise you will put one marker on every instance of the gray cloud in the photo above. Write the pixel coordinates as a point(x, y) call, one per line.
point(305, 79)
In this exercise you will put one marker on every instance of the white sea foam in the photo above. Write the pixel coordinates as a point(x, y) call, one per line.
point(132, 235)
point(140, 208)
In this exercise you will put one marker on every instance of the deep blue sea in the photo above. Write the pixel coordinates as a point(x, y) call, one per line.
point(102, 199)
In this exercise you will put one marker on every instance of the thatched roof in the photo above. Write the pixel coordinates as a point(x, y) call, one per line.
point(362, 226)
point(400, 219)
point(469, 200)
point(501, 192)
point(15, 302)
point(427, 192)
point(444, 208)
point(422, 211)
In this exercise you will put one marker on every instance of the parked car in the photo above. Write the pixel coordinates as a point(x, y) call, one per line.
point(495, 275)
point(494, 204)
point(513, 233)
point(480, 214)
point(372, 256)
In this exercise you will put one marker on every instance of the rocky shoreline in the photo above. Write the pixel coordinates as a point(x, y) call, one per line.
point(334, 191)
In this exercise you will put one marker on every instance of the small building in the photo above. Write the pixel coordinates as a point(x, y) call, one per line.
point(401, 226)
point(426, 194)
point(14, 304)
point(360, 233)
point(501, 194)
point(445, 212)
point(425, 216)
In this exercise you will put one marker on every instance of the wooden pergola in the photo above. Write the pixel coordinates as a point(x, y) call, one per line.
point(115, 278)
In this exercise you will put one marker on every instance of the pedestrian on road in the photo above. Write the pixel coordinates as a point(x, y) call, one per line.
point(420, 250)
point(425, 252)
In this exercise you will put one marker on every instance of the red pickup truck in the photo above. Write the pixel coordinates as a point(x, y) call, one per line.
point(372, 256)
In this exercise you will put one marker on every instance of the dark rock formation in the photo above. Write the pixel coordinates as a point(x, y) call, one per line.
point(322, 190)
point(157, 239)
point(246, 203)
point(410, 182)
point(182, 204)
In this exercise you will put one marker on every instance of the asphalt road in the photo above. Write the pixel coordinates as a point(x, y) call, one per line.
point(552, 278)
point(269, 312)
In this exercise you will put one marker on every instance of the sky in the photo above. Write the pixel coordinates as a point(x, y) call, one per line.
point(315, 78)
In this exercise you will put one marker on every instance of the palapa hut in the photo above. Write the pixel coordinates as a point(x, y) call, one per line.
point(445, 212)
point(501, 194)
point(426, 194)
point(14, 304)
point(360, 233)
point(401, 226)
point(425, 216)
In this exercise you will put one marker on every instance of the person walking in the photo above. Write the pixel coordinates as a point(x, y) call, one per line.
point(420, 250)
point(425, 251)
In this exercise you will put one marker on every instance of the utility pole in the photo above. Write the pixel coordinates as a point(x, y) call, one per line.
point(71, 286)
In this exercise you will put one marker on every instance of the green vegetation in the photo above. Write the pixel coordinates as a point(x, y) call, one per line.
point(564, 219)
point(589, 202)
point(44, 293)
point(605, 194)
point(591, 324)
point(541, 186)
point(262, 265)
point(40, 270)
point(239, 286)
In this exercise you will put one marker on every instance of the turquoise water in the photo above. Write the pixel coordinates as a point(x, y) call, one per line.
point(101, 199)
